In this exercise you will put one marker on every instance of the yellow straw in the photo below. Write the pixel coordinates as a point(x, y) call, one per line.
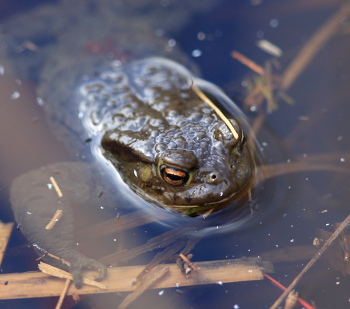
point(217, 110)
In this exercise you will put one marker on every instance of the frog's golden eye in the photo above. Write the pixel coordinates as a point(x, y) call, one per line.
point(174, 176)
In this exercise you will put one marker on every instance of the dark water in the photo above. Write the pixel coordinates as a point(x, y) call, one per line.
point(296, 204)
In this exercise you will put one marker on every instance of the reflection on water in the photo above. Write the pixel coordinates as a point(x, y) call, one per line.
point(295, 205)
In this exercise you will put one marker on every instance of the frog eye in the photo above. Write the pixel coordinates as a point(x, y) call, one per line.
point(174, 176)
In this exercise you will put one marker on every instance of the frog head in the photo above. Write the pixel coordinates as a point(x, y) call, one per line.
point(168, 144)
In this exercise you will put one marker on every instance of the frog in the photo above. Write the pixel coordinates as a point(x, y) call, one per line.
point(124, 98)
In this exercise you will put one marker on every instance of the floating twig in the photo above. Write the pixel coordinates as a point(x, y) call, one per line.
point(269, 48)
point(5, 233)
point(207, 213)
point(312, 262)
point(248, 62)
point(46, 253)
point(55, 185)
point(57, 216)
point(266, 84)
point(282, 287)
point(184, 257)
point(63, 294)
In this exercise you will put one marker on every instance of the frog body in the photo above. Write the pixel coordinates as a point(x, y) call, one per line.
point(139, 114)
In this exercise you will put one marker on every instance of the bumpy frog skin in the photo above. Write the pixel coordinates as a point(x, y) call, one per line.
point(169, 147)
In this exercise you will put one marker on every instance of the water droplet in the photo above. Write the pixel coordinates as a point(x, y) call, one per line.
point(201, 36)
point(274, 23)
point(40, 101)
point(172, 42)
point(15, 95)
point(196, 53)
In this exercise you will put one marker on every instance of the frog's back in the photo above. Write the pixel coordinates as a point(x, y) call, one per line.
point(58, 46)
point(143, 115)
point(62, 46)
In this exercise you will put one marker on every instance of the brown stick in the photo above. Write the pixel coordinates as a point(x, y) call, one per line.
point(311, 263)
point(56, 217)
point(194, 267)
point(63, 294)
point(37, 284)
point(5, 233)
point(55, 185)
point(313, 46)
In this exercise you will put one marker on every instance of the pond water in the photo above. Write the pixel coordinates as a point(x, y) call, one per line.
point(292, 206)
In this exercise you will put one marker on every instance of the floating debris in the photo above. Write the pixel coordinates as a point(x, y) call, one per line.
point(269, 48)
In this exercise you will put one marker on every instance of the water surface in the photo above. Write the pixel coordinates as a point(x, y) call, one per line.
point(295, 205)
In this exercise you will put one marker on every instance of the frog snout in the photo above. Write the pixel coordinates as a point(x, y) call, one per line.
point(217, 177)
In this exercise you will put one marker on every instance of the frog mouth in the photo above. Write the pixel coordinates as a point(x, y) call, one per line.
point(204, 205)
point(193, 209)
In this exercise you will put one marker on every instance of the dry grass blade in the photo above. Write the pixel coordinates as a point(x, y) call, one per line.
point(5, 233)
point(248, 62)
point(319, 253)
point(55, 185)
point(264, 86)
point(216, 109)
point(194, 267)
point(57, 216)
point(269, 48)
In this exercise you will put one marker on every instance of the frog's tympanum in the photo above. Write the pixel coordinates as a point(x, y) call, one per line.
point(168, 145)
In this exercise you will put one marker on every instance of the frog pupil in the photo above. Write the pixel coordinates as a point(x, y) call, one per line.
point(174, 176)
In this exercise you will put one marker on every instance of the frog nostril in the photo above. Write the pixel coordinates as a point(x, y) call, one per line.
point(212, 177)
